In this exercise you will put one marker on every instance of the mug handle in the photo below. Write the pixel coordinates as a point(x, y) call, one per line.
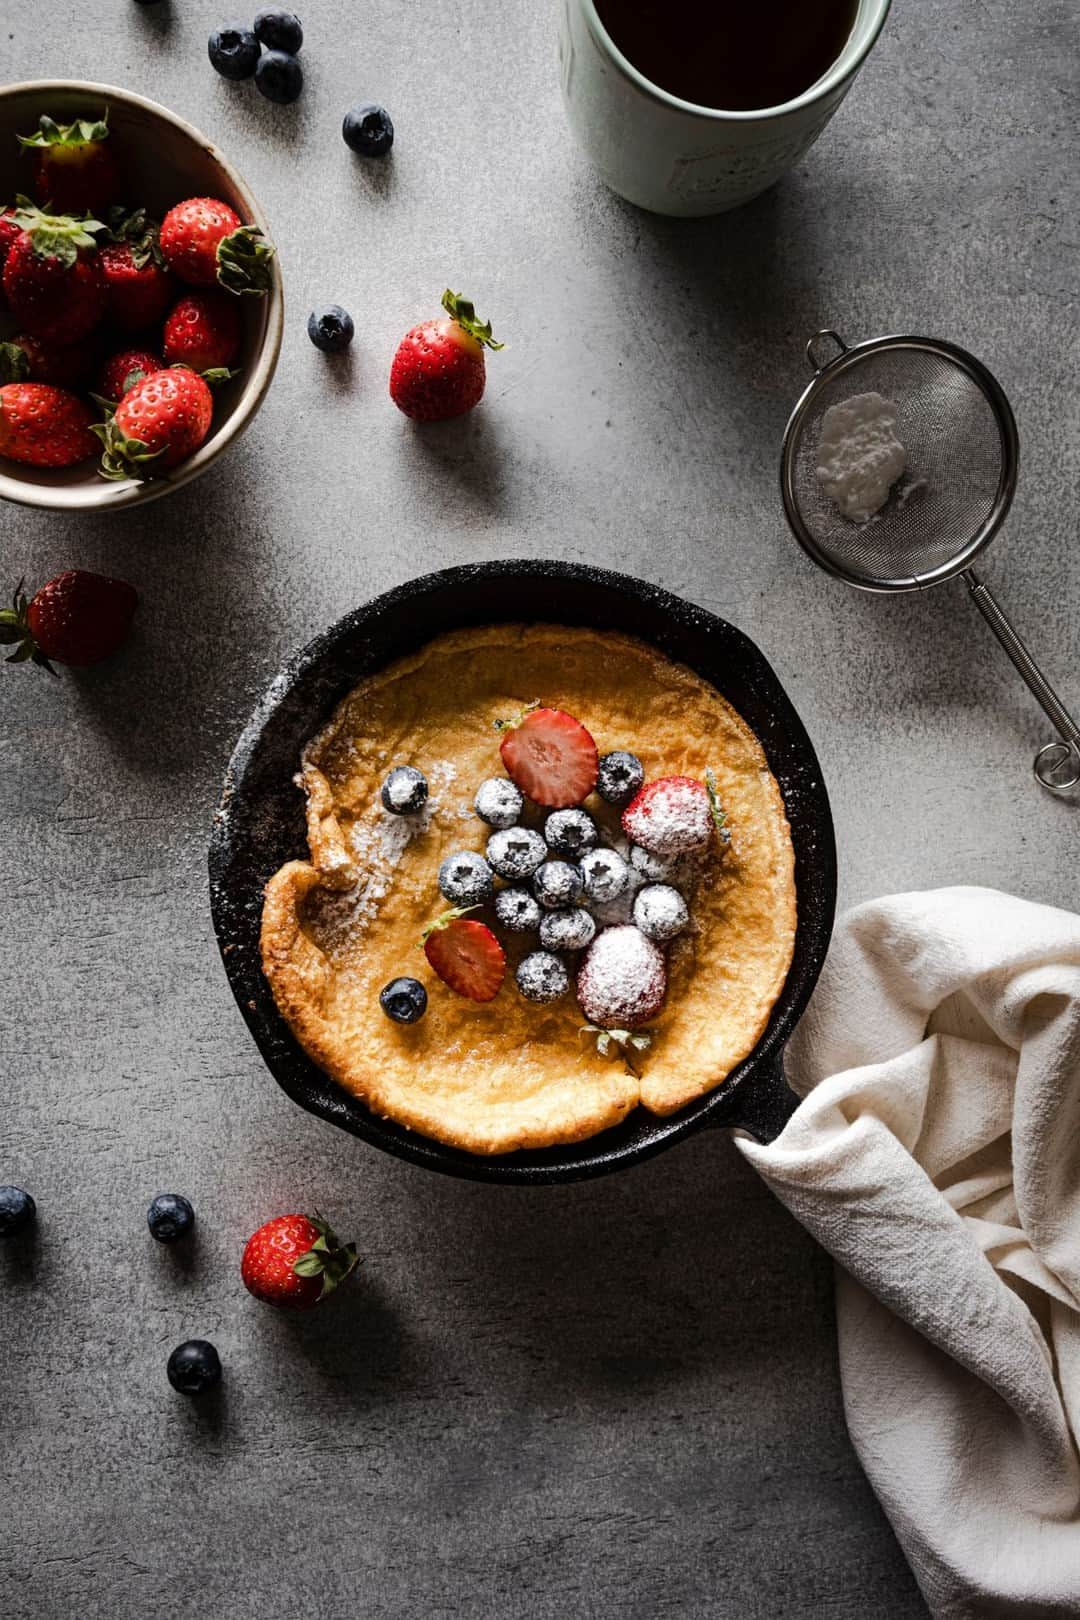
point(763, 1104)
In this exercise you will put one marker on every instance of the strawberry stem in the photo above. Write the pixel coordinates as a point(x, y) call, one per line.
point(79, 133)
point(444, 921)
point(56, 236)
point(327, 1258)
point(15, 631)
point(463, 311)
point(513, 723)
point(719, 814)
point(243, 260)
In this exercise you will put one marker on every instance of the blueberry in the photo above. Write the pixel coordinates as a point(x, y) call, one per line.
point(465, 879)
point(194, 1367)
point(17, 1210)
point(569, 930)
point(498, 802)
point(169, 1217)
point(657, 868)
point(660, 912)
point(605, 875)
point(279, 31)
point(570, 832)
point(403, 1000)
point(367, 130)
point(517, 911)
point(619, 777)
point(557, 884)
point(542, 977)
point(405, 791)
point(233, 52)
point(515, 852)
point(279, 77)
point(330, 328)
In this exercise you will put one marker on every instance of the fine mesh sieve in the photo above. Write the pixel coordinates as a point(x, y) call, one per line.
point(962, 454)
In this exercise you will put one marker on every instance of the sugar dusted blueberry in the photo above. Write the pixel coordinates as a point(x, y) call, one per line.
point(619, 777)
point(516, 852)
point(660, 912)
point(569, 930)
point(542, 977)
point(517, 911)
point(466, 879)
point(557, 884)
point(622, 981)
point(499, 802)
point(605, 875)
point(654, 868)
point(570, 832)
point(405, 791)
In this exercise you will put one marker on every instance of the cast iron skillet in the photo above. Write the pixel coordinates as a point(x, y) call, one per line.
point(260, 824)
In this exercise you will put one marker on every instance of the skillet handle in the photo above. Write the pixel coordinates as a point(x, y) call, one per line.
point(763, 1104)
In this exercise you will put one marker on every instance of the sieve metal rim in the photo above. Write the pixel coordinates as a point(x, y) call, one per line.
point(1010, 456)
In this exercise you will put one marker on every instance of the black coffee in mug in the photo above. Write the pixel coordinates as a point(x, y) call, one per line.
point(734, 55)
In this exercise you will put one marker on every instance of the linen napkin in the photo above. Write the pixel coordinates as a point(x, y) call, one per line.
point(936, 1155)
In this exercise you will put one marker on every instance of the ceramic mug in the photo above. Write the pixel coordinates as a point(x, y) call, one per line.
point(673, 157)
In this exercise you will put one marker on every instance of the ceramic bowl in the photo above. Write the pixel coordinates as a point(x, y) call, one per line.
point(166, 160)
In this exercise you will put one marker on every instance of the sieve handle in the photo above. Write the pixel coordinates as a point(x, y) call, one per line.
point(1057, 765)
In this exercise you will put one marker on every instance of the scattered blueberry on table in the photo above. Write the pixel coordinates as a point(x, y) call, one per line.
point(279, 77)
point(330, 328)
point(403, 1000)
point(233, 52)
point(170, 1217)
point(368, 131)
point(17, 1210)
point(194, 1367)
point(279, 31)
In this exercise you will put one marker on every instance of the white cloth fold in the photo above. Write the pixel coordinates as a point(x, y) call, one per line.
point(936, 1155)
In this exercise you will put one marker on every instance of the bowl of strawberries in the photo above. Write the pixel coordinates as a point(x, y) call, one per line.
point(140, 298)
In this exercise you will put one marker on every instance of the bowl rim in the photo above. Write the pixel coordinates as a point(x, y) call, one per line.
point(256, 384)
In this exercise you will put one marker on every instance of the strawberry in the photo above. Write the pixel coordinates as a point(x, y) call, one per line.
point(671, 816)
point(138, 287)
point(122, 371)
point(77, 618)
point(52, 277)
point(157, 423)
point(438, 370)
point(465, 954)
point(203, 332)
point(30, 359)
point(75, 172)
point(294, 1261)
point(204, 243)
point(9, 230)
point(550, 756)
point(43, 426)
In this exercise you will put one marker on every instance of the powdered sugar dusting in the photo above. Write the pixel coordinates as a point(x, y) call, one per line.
point(670, 817)
point(623, 979)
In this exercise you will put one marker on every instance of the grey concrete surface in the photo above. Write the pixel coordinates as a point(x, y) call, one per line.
point(611, 1400)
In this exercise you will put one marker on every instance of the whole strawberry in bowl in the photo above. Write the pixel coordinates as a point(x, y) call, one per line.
point(113, 212)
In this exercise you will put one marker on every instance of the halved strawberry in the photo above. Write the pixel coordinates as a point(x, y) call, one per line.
point(550, 756)
point(466, 955)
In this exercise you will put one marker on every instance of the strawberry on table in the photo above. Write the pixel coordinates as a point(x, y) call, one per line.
point(295, 1261)
point(205, 244)
point(26, 358)
point(438, 370)
point(138, 287)
point(550, 756)
point(52, 275)
point(75, 169)
point(122, 371)
point(203, 332)
point(78, 618)
point(43, 426)
point(466, 955)
point(157, 424)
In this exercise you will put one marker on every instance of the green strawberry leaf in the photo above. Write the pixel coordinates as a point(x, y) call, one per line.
point(464, 312)
point(719, 814)
point(124, 458)
point(620, 1042)
point(243, 260)
point(56, 236)
point(14, 363)
point(79, 133)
